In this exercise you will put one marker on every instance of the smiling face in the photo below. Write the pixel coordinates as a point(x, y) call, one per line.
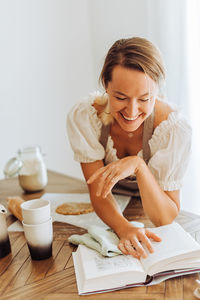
point(132, 96)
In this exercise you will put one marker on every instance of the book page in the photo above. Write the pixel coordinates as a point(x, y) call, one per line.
point(159, 279)
point(100, 273)
point(176, 245)
point(96, 265)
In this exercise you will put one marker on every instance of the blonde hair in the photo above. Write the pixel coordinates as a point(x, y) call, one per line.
point(105, 115)
point(132, 53)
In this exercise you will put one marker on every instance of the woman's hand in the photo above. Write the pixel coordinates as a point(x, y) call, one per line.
point(135, 241)
point(109, 175)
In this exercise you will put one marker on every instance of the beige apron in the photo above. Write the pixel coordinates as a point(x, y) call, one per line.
point(129, 186)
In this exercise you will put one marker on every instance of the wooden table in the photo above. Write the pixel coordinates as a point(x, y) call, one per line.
point(54, 278)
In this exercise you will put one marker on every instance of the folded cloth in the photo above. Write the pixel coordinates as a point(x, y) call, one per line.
point(102, 240)
point(99, 239)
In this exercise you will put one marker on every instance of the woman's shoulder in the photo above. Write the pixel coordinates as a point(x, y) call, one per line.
point(168, 116)
point(84, 129)
point(86, 107)
point(85, 114)
point(169, 125)
point(162, 112)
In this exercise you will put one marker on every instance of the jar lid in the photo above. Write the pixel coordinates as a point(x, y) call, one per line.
point(29, 149)
point(13, 167)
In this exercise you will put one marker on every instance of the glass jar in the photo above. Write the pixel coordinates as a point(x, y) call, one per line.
point(30, 167)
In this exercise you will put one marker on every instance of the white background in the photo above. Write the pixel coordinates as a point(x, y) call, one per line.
point(51, 53)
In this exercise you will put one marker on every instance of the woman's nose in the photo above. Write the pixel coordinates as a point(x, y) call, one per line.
point(132, 108)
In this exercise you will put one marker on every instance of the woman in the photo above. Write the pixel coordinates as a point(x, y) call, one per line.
point(131, 109)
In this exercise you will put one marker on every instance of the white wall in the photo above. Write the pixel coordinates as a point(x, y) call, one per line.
point(163, 22)
point(51, 55)
point(166, 22)
point(111, 20)
point(45, 66)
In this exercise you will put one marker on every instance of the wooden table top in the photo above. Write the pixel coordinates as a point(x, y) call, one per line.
point(54, 278)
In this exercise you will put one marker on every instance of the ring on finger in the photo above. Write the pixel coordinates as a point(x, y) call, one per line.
point(113, 178)
point(122, 247)
point(128, 243)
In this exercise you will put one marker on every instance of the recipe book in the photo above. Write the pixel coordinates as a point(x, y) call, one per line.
point(177, 254)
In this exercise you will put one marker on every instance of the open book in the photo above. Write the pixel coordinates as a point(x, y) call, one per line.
point(177, 254)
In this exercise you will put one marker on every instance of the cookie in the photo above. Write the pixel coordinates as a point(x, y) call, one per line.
point(72, 208)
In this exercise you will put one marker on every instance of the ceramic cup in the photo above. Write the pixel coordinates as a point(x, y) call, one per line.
point(35, 211)
point(5, 248)
point(39, 239)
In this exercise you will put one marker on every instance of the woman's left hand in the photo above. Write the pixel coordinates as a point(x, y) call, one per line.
point(109, 175)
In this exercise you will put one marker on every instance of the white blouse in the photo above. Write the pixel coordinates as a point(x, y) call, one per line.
point(170, 143)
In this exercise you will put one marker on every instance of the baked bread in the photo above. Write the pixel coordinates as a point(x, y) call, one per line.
point(14, 206)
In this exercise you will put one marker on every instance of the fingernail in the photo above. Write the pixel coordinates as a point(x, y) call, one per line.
point(106, 194)
point(136, 256)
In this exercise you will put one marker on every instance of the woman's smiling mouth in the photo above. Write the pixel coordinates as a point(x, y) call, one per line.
point(128, 118)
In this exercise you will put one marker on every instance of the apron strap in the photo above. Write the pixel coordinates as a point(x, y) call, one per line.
point(105, 131)
point(147, 134)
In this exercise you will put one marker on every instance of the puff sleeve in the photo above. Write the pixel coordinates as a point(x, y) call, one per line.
point(84, 129)
point(170, 151)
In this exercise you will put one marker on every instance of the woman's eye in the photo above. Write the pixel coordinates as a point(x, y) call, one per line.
point(119, 98)
point(144, 100)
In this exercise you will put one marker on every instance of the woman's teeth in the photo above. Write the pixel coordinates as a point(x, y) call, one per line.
point(129, 119)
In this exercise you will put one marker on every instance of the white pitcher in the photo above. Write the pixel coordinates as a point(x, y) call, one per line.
point(4, 238)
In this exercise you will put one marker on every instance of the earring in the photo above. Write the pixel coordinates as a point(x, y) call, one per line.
point(106, 116)
point(107, 101)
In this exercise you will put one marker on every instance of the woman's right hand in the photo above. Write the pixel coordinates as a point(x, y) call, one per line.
point(135, 241)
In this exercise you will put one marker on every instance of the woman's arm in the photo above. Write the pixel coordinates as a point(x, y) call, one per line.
point(106, 207)
point(108, 210)
point(161, 207)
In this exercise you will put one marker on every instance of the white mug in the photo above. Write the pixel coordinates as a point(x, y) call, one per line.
point(39, 239)
point(35, 211)
point(4, 238)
